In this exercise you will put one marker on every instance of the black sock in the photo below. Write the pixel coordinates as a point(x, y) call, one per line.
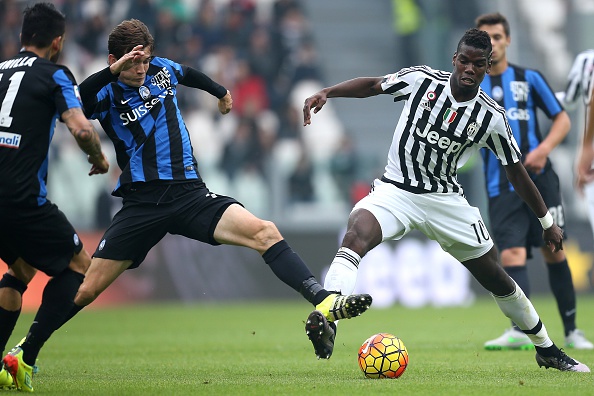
point(549, 351)
point(73, 311)
point(289, 268)
point(8, 319)
point(56, 303)
point(562, 287)
point(520, 275)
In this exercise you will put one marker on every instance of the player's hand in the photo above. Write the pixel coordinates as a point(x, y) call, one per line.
point(128, 60)
point(100, 165)
point(315, 102)
point(553, 238)
point(225, 103)
point(535, 161)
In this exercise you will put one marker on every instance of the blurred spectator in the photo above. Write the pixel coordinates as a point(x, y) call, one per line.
point(301, 188)
point(243, 151)
point(10, 28)
point(291, 123)
point(343, 166)
point(408, 21)
point(250, 97)
point(238, 24)
point(207, 27)
point(306, 65)
point(143, 10)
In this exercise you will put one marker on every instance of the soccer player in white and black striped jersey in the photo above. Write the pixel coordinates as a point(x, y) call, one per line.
point(446, 117)
point(580, 87)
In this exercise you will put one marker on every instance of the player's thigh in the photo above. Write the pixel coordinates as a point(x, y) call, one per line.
point(510, 220)
point(22, 271)
point(238, 226)
point(458, 227)
point(134, 230)
point(42, 236)
point(214, 219)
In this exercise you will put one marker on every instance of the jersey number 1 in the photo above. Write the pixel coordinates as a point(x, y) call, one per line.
point(11, 92)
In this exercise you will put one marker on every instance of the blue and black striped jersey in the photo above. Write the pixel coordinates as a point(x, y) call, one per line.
point(145, 124)
point(34, 92)
point(521, 92)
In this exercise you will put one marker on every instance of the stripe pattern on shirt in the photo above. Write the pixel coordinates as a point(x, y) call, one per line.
point(435, 133)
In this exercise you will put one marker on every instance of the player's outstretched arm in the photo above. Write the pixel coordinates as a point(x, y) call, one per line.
point(360, 87)
point(87, 139)
point(524, 186)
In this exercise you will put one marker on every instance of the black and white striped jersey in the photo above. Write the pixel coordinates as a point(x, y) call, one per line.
point(580, 80)
point(436, 134)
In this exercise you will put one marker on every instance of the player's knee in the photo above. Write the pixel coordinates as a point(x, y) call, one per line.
point(80, 262)
point(85, 295)
point(22, 271)
point(267, 234)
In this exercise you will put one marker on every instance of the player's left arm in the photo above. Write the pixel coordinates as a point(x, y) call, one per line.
point(545, 99)
point(525, 188)
point(196, 79)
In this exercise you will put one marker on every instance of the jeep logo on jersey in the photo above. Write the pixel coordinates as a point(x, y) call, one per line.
point(520, 90)
point(514, 113)
point(434, 138)
point(144, 92)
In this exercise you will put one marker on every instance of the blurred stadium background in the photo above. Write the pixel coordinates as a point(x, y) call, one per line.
point(272, 54)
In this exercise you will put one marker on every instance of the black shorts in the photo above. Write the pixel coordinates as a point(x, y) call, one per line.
point(150, 211)
point(42, 236)
point(513, 224)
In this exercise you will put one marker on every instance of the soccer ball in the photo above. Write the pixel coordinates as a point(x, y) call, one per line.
point(383, 355)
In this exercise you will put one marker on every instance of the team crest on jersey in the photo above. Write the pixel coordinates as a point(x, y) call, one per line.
point(144, 92)
point(472, 129)
point(497, 93)
point(450, 115)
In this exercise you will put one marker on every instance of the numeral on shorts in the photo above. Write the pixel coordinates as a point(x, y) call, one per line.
point(480, 231)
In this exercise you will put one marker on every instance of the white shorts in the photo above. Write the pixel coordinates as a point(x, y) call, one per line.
point(446, 218)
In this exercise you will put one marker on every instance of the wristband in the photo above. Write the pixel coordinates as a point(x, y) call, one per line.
point(546, 221)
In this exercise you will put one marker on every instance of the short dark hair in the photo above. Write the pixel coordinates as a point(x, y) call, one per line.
point(494, 18)
point(42, 23)
point(477, 39)
point(128, 35)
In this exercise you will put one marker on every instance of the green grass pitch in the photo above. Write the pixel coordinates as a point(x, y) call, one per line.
point(260, 348)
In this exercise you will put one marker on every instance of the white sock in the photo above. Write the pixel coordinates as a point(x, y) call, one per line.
point(520, 310)
point(342, 274)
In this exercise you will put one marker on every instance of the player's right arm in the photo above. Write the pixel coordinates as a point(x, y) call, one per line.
point(87, 139)
point(585, 173)
point(361, 87)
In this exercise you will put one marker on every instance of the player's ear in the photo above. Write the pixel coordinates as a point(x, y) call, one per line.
point(111, 59)
point(454, 58)
point(56, 43)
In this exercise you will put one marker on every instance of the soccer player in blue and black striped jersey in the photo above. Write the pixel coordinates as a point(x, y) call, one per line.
point(135, 100)
point(35, 92)
point(522, 92)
